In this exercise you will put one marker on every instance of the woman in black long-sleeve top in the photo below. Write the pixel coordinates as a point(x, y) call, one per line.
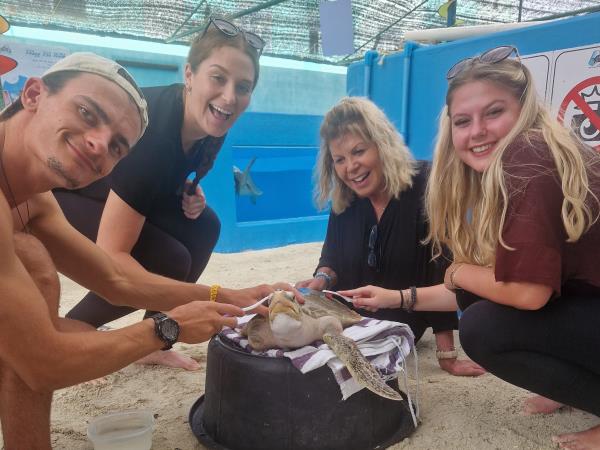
point(377, 223)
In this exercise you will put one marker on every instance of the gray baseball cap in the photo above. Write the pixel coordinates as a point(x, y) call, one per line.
point(107, 68)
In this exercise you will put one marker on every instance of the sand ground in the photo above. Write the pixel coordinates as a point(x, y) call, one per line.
point(456, 413)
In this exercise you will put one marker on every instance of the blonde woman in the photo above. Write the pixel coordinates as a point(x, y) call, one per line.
point(377, 223)
point(514, 195)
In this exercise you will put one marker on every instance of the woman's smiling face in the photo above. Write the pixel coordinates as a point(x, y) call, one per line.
point(481, 114)
point(219, 91)
point(357, 164)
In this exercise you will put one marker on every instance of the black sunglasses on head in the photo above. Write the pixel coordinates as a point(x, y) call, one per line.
point(491, 56)
point(231, 30)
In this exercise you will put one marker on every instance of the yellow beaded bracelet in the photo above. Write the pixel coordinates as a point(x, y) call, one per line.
point(214, 290)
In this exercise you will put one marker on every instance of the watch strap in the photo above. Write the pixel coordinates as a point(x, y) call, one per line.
point(159, 318)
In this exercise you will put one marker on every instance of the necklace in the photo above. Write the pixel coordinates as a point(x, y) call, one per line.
point(379, 209)
point(25, 228)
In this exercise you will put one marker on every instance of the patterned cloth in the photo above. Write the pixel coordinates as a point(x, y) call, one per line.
point(385, 344)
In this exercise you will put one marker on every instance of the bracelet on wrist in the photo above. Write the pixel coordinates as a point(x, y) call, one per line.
point(214, 291)
point(453, 284)
point(408, 299)
point(326, 277)
point(413, 299)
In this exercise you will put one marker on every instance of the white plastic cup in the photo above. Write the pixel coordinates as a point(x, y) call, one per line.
point(128, 430)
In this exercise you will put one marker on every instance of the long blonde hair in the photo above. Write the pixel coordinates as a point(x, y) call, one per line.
point(467, 209)
point(361, 117)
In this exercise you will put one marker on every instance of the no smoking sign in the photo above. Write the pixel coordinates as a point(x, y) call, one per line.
point(580, 110)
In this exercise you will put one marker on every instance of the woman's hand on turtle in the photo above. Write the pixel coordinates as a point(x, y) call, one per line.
point(288, 287)
point(193, 205)
point(318, 284)
point(373, 298)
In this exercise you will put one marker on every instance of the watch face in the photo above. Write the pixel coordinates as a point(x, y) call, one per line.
point(169, 329)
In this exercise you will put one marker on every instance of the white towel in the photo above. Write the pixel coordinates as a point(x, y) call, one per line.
point(385, 344)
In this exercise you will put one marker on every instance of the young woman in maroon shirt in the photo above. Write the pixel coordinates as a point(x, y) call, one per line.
point(514, 196)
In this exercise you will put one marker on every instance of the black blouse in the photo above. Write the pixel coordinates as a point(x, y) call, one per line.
point(402, 260)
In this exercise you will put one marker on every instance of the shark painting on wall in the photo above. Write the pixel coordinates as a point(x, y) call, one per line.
point(244, 185)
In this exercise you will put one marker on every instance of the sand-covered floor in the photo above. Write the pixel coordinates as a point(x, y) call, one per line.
point(456, 413)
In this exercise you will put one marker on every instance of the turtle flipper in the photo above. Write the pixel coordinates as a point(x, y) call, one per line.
point(358, 366)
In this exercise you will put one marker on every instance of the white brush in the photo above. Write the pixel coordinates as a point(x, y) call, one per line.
point(258, 303)
point(338, 295)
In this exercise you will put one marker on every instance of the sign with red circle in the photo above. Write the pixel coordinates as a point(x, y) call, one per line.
point(6, 64)
point(580, 110)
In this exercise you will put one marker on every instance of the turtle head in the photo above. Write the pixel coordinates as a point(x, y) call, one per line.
point(284, 311)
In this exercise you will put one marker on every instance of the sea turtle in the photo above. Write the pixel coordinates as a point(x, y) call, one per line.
point(292, 325)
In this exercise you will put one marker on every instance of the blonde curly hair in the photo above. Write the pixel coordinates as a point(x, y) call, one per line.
point(361, 117)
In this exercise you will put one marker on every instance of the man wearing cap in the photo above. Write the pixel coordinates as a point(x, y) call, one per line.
point(70, 128)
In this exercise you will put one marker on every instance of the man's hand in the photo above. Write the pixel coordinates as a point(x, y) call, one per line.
point(199, 321)
point(193, 205)
point(249, 296)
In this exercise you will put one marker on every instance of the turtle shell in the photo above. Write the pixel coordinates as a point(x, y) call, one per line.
point(318, 304)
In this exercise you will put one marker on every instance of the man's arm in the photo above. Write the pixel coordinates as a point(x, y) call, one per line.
point(49, 353)
point(122, 284)
point(47, 359)
point(29, 342)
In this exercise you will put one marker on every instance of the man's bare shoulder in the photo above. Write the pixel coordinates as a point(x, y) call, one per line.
point(42, 207)
point(43, 203)
point(34, 210)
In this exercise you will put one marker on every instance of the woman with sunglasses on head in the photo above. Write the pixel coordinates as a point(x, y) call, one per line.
point(154, 218)
point(515, 196)
point(377, 223)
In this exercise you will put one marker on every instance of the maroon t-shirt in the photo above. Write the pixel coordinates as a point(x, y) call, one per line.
point(534, 227)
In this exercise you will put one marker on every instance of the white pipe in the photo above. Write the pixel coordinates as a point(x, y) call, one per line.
point(453, 33)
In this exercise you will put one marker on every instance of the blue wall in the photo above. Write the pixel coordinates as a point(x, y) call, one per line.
point(410, 86)
point(286, 147)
